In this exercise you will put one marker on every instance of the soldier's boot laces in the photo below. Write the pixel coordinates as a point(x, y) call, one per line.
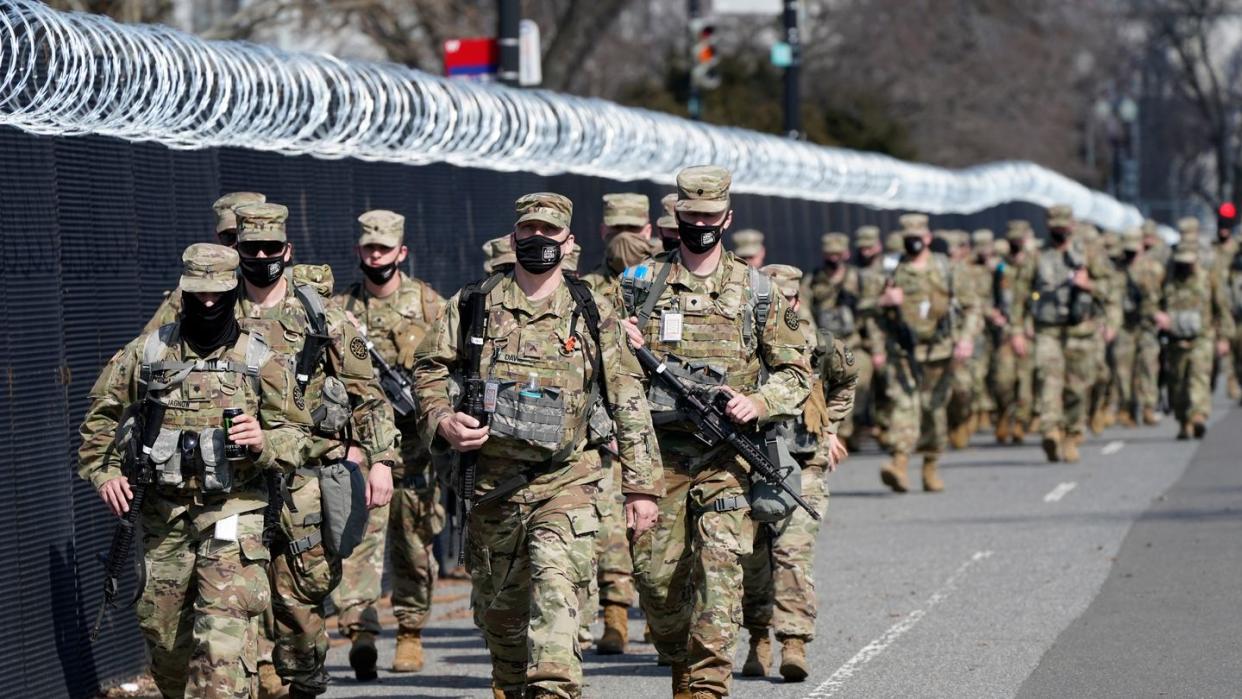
point(616, 630)
point(1052, 446)
point(931, 484)
point(362, 656)
point(270, 686)
point(759, 657)
point(681, 681)
point(409, 656)
point(894, 473)
point(793, 660)
point(1069, 448)
point(1198, 424)
point(1002, 430)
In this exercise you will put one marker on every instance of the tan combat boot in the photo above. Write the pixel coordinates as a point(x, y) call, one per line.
point(894, 473)
point(362, 655)
point(270, 686)
point(681, 681)
point(1019, 431)
point(1052, 445)
point(983, 421)
point(959, 437)
point(409, 657)
point(616, 630)
point(793, 660)
point(1232, 389)
point(1069, 448)
point(1002, 429)
point(705, 694)
point(1125, 419)
point(1198, 424)
point(759, 657)
point(1097, 422)
point(931, 479)
point(1150, 417)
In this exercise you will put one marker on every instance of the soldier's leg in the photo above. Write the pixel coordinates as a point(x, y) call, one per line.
point(662, 567)
point(1080, 368)
point(793, 563)
point(960, 404)
point(1198, 390)
point(933, 398)
point(499, 566)
point(864, 416)
point(904, 414)
point(1050, 380)
point(757, 591)
point(1147, 371)
point(165, 609)
point(232, 590)
point(1025, 409)
point(361, 575)
point(616, 569)
point(985, 405)
point(1179, 383)
point(1125, 354)
point(415, 520)
point(1003, 386)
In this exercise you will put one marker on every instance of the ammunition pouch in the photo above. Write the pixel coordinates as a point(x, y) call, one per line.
point(600, 427)
point(534, 420)
point(768, 501)
point(796, 437)
point(217, 471)
point(1185, 325)
point(332, 414)
point(665, 410)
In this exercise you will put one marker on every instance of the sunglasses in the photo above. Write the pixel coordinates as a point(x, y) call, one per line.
point(253, 248)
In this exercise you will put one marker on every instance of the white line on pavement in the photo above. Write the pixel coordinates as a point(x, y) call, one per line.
point(838, 679)
point(1060, 491)
point(1112, 447)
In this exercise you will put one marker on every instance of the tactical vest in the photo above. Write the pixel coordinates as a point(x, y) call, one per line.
point(383, 328)
point(929, 308)
point(1184, 302)
point(1056, 301)
point(836, 307)
point(1235, 292)
point(188, 454)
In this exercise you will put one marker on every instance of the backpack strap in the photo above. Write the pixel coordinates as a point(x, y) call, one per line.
point(638, 280)
point(317, 339)
point(354, 292)
point(760, 304)
point(471, 321)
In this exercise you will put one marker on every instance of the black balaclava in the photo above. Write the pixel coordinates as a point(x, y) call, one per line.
point(208, 329)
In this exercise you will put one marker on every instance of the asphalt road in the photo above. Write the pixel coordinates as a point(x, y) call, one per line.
point(1022, 578)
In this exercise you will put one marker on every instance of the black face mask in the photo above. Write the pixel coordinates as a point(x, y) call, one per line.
point(262, 271)
point(378, 275)
point(538, 253)
point(670, 242)
point(1129, 256)
point(698, 239)
point(1058, 236)
point(1181, 270)
point(913, 245)
point(208, 329)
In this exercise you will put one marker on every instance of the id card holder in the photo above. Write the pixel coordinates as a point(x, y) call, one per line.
point(924, 309)
point(670, 327)
point(490, 389)
point(226, 529)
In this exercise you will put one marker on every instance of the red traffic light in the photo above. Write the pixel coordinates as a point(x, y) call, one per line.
point(1227, 210)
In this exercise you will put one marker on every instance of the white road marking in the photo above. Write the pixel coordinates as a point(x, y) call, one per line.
point(1060, 491)
point(1112, 447)
point(833, 684)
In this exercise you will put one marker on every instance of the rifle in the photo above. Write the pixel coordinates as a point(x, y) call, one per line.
point(137, 465)
point(1000, 302)
point(707, 413)
point(473, 388)
point(396, 383)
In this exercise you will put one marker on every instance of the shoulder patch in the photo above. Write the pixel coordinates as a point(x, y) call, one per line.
point(791, 318)
point(358, 348)
point(299, 398)
point(849, 357)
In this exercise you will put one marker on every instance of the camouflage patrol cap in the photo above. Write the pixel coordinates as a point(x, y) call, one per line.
point(1132, 239)
point(1001, 247)
point(626, 209)
point(1017, 230)
point(747, 242)
point(569, 263)
point(207, 267)
point(1060, 216)
point(669, 219)
point(1111, 242)
point(703, 189)
point(226, 220)
point(982, 238)
point(498, 252)
point(261, 222)
point(787, 278)
point(893, 242)
point(866, 236)
point(549, 207)
point(957, 239)
point(1188, 226)
point(913, 224)
point(382, 227)
point(1186, 252)
point(1150, 227)
point(834, 243)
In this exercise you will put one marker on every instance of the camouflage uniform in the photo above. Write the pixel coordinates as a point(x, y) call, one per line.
point(1136, 346)
point(748, 247)
point(1198, 314)
point(688, 567)
point(305, 572)
point(205, 588)
point(1012, 376)
point(530, 553)
point(871, 282)
point(971, 401)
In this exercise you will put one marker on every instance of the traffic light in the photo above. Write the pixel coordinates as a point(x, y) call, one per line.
point(705, 73)
point(1226, 216)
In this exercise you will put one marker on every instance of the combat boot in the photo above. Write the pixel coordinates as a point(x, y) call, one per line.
point(894, 473)
point(616, 630)
point(1019, 431)
point(705, 694)
point(362, 655)
point(959, 436)
point(983, 421)
point(759, 657)
point(1125, 419)
point(1198, 424)
point(1097, 422)
point(793, 660)
point(1232, 389)
point(409, 657)
point(1052, 446)
point(1069, 448)
point(1002, 430)
point(1150, 417)
point(681, 681)
point(931, 484)
point(1183, 432)
point(270, 686)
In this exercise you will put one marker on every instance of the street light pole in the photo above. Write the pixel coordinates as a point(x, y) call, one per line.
point(793, 114)
point(509, 16)
point(694, 102)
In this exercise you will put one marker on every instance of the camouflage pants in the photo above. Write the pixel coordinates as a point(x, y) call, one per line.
point(612, 548)
point(918, 419)
point(689, 569)
point(198, 608)
point(1012, 378)
point(413, 523)
point(779, 589)
point(961, 403)
point(1064, 372)
point(1136, 365)
point(361, 576)
point(529, 567)
point(864, 399)
point(1190, 373)
point(1099, 390)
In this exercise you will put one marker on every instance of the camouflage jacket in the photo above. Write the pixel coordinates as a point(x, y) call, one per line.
point(1141, 281)
point(938, 309)
point(836, 304)
point(194, 404)
point(543, 341)
point(1197, 301)
point(1044, 295)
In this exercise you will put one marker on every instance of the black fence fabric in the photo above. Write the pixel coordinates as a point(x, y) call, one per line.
point(91, 232)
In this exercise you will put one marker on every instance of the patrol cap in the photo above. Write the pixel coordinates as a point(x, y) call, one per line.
point(893, 242)
point(669, 219)
point(498, 252)
point(1187, 252)
point(982, 239)
point(703, 189)
point(226, 220)
point(1060, 216)
point(207, 267)
point(549, 207)
point(913, 224)
point(1017, 229)
point(382, 227)
point(787, 278)
point(1150, 227)
point(1132, 240)
point(1112, 243)
point(1188, 226)
point(1001, 247)
point(866, 236)
point(261, 222)
point(747, 242)
point(957, 239)
point(569, 263)
point(626, 209)
point(834, 243)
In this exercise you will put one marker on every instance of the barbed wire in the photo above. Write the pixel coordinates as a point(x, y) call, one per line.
point(73, 73)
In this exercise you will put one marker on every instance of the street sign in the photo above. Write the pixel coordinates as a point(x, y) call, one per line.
point(475, 58)
point(747, 7)
point(782, 54)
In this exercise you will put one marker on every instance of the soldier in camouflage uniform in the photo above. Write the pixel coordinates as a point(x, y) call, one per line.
point(924, 299)
point(703, 305)
point(626, 232)
point(666, 226)
point(287, 305)
point(779, 589)
point(1157, 250)
point(1012, 375)
point(226, 233)
point(748, 247)
point(1062, 294)
point(395, 312)
point(869, 256)
point(1224, 249)
point(970, 402)
point(531, 533)
point(1196, 318)
point(834, 297)
point(202, 522)
point(1137, 346)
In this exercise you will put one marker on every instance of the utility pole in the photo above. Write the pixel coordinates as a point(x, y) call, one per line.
point(509, 16)
point(694, 105)
point(793, 113)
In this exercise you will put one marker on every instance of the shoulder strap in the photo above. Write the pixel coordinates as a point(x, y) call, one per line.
point(473, 319)
point(316, 341)
point(585, 306)
point(153, 351)
point(761, 288)
point(635, 277)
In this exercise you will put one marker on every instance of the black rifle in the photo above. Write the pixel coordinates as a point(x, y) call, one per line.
point(899, 334)
point(707, 413)
point(1000, 301)
point(473, 332)
point(138, 470)
point(396, 383)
